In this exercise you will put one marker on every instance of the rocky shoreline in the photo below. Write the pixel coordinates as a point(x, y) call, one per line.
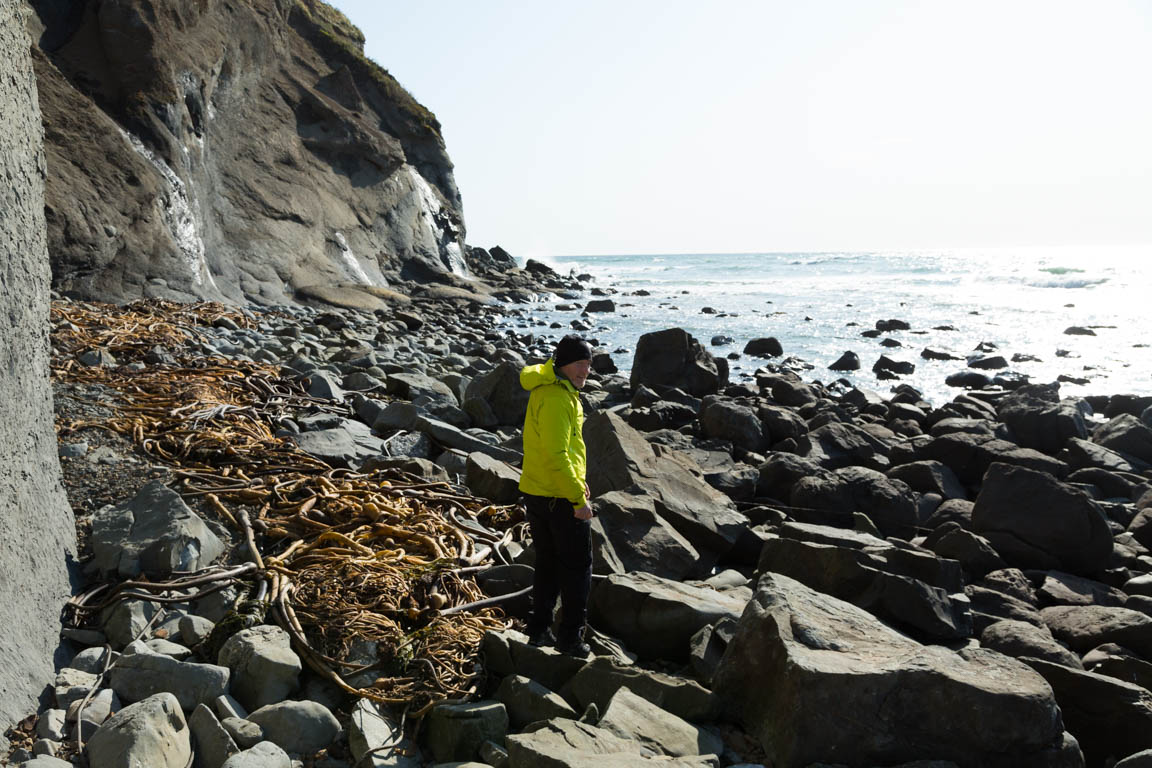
point(788, 574)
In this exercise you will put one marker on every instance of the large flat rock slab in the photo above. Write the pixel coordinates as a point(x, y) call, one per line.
point(817, 679)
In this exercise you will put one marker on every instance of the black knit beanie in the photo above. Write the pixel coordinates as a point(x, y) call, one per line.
point(569, 350)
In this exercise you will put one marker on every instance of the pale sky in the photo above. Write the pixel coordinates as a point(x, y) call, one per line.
point(664, 126)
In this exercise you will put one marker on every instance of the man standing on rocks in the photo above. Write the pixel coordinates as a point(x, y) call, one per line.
point(556, 495)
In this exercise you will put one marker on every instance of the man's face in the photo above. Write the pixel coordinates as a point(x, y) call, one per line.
point(577, 372)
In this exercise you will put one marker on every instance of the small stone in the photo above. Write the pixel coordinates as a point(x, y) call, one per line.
point(45, 747)
point(52, 724)
point(73, 450)
point(262, 755)
point(194, 630)
point(89, 637)
point(125, 620)
point(150, 733)
point(265, 669)
point(73, 685)
point(297, 726)
point(244, 732)
point(168, 648)
point(226, 706)
point(214, 745)
point(374, 731)
point(93, 660)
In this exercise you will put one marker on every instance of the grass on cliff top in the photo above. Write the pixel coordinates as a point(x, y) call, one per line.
point(335, 27)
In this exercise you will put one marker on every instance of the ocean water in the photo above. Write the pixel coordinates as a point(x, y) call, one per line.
point(817, 304)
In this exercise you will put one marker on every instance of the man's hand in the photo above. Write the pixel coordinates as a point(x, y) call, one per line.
point(584, 512)
point(587, 493)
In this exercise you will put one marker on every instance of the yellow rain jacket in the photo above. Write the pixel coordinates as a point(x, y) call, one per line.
point(554, 462)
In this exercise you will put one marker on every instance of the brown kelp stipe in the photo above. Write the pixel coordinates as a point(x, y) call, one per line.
point(339, 556)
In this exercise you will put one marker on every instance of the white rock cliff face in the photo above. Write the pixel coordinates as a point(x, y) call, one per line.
point(238, 152)
point(39, 532)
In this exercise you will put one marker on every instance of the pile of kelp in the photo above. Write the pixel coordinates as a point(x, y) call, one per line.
point(340, 557)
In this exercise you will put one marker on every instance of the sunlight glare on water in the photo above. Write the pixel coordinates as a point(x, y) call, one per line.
point(817, 304)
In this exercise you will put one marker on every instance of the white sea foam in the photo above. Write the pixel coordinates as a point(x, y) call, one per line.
point(1004, 298)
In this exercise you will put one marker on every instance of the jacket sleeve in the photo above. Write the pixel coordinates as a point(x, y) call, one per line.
point(555, 420)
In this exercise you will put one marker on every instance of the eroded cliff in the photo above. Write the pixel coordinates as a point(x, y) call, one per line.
point(38, 529)
point(233, 149)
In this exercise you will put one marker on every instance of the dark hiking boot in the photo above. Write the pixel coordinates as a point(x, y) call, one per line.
point(543, 639)
point(577, 648)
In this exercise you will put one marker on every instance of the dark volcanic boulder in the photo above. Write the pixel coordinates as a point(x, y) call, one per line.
point(673, 358)
point(1109, 718)
point(849, 361)
point(1019, 638)
point(886, 326)
point(781, 471)
point(660, 415)
point(833, 497)
point(1035, 521)
point(1083, 627)
point(987, 362)
point(493, 479)
point(1126, 434)
point(619, 457)
point(642, 540)
point(738, 424)
point(781, 423)
point(818, 680)
point(1040, 420)
point(970, 455)
point(657, 617)
point(862, 576)
point(886, 364)
point(764, 347)
point(929, 477)
point(1080, 454)
point(968, 380)
point(500, 388)
point(836, 445)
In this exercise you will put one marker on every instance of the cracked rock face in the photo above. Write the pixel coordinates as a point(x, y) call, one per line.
point(213, 150)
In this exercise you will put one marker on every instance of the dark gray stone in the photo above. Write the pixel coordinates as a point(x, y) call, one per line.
point(1034, 521)
point(861, 573)
point(1019, 638)
point(737, 424)
point(833, 497)
point(767, 346)
point(641, 539)
point(152, 732)
point(1108, 717)
point(302, 727)
point(1126, 434)
point(847, 689)
point(1040, 420)
point(849, 361)
point(657, 617)
point(970, 455)
point(673, 358)
point(155, 532)
point(619, 458)
point(492, 479)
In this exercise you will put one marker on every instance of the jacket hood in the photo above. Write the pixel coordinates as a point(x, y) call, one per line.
point(533, 376)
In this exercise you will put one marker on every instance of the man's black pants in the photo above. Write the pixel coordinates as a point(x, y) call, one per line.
point(563, 566)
